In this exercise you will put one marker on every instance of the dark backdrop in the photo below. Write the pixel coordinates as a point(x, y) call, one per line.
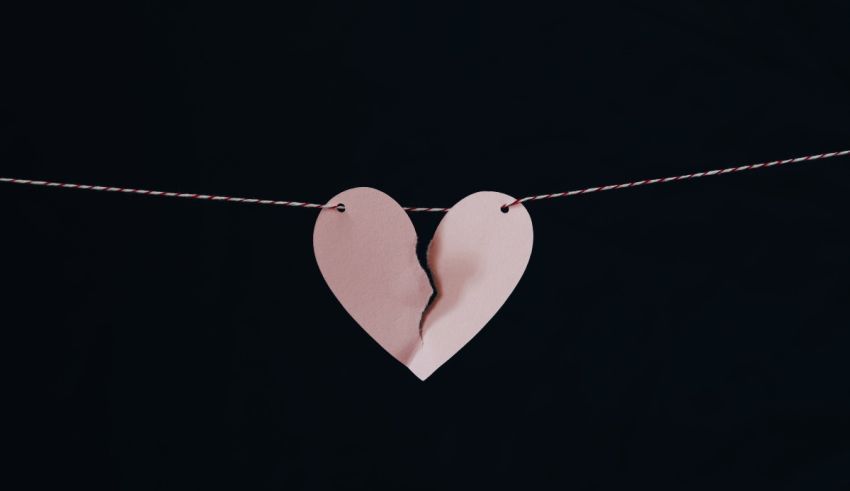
point(691, 336)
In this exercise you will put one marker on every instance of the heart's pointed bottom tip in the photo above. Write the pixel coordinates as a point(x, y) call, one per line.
point(421, 372)
point(422, 377)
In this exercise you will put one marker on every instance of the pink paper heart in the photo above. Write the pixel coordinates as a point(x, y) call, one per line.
point(367, 255)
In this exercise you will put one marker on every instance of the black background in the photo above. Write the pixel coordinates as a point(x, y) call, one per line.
point(690, 336)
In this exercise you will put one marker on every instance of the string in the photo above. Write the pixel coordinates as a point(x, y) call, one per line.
point(696, 175)
point(341, 206)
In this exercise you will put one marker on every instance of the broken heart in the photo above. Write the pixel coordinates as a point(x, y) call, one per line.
point(367, 255)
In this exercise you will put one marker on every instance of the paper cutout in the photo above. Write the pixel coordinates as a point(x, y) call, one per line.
point(367, 255)
point(477, 257)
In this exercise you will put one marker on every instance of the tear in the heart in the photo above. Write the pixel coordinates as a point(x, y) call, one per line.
point(431, 299)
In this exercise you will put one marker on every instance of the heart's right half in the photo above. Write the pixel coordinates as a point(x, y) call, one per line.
point(367, 255)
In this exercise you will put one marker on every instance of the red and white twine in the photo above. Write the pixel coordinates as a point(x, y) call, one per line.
point(717, 172)
point(208, 197)
point(340, 206)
